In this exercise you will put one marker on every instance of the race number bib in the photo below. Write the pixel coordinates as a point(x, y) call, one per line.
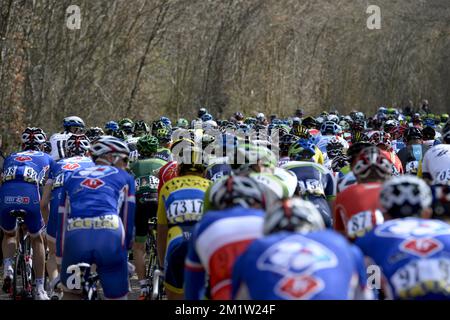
point(421, 276)
point(311, 186)
point(10, 173)
point(30, 175)
point(146, 183)
point(361, 223)
point(185, 210)
point(59, 181)
point(442, 177)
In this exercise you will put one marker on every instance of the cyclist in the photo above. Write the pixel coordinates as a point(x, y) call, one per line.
point(180, 206)
point(94, 133)
point(383, 141)
point(23, 173)
point(111, 127)
point(141, 128)
point(415, 149)
point(71, 125)
point(315, 182)
point(285, 143)
point(127, 126)
point(77, 149)
point(97, 220)
point(182, 124)
point(145, 171)
point(411, 250)
point(164, 135)
point(346, 176)
point(298, 259)
point(222, 235)
point(436, 162)
point(356, 209)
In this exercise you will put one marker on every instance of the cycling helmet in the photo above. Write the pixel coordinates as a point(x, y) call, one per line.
point(330, 128)
point(444, 118)
point(381, 139)
point(147, 145)
point(340, 161)
point(250, 121)
point(429, 122)
point(371, 161)
point(77, 145)
point(238, 116)
point(201, 112)
point(141, 128)
point(73, 122)
point(247, 155)
point(33, 138)
point(390, 125)
point(293, 215)
point(302, 150)
point(413, 133)
point(428, 133)
point(333, 118)
point(354, 150)
point(109, 145)
point(260, 117)
point(206, 117)
point(286, 141)
point(189, 159)
point(94, 133)
point(358, 125)
point(344, 125)
point(207, 140)
point(182, 123)
point(164, 135)
point(166, 121)
point(335, 147)
point(301, 131)
point(441, 202)
point(126, 125)
point(236, 191)
point(111, 127)
point(309, 123)
point(405, 196)
point(358, 136)
point(119, 134)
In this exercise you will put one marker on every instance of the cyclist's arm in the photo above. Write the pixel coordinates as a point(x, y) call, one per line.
point(127, 213)
point(194, 273)
point(62, 215)
point(44, 204)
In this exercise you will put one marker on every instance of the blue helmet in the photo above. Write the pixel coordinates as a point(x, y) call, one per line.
point(207, 117)
point(112, 126)
point(166, 121)
point(301, 150)
point(429, 123)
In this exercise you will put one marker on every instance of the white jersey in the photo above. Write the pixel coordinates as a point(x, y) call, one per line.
point(436, 162)
point(289, 178)
point(58, 142)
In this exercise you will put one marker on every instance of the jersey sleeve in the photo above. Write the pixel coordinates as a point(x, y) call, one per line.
point(161, 213)
point(128, 211)
point(194, 272)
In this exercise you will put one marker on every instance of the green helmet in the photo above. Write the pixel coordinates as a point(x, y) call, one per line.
point(250, 154)
point(444, 117)
point(182, 123)
point(147, 145)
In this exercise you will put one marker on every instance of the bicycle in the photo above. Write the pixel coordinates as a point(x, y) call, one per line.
point(23, 281)
point(88, 282)
point(154, 273)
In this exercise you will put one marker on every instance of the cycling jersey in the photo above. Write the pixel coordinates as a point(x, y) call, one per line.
point(412, 153)
point(414, 257)
point(436, 163)
point(316, 184)
point(283, 161)
point(59, 171)
point(218, 239)
point(146, 174)
point(216, 171)
point(97, 224)
point(356, 209)
point(22, 174)
point(180, 206)
point(289, 266)
point(58, 142)
point(167, 172)
point(163, 154)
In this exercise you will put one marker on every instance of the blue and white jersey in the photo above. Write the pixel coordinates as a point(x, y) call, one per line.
point(62, 168)
point(28, 166)
point(94, 192)
point(414, 257)
point(291, 266)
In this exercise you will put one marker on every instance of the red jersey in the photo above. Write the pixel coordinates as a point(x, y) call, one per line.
point(356, 209)
point(167, 172)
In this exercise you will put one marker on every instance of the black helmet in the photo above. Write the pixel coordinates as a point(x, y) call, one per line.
point(413, 133)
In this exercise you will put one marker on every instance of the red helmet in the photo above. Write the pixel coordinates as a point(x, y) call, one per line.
point(381, 139)
point(372, 161)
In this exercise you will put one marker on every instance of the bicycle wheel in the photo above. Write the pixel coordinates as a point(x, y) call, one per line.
point(21, 289)
point(28, 257)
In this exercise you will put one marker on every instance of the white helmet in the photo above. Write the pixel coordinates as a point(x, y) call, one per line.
point(236, 190)
point(77, 145)
point(112, 145)
point(73, 121)
point(294, 215)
